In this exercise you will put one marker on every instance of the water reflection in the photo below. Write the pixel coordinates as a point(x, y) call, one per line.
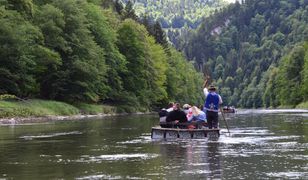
point(195, 158)
point(214, 157)
point(262, 145)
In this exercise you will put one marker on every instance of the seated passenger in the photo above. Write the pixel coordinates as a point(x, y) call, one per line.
point(163, 114)
point(170, 107)
point(186, 108)
point(176, 116)
point(198, 117)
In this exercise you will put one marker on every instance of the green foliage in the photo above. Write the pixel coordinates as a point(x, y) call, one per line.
point(25, 7)
point(155, 30)
point(79, 52)
point(7, 96)
point(303, 105)
point(176, 16)
point(289, 77)
point(156, 75)
point(241, 48)
point(106, 37)
point(35, 108)
point(183, 82)
point(82, 74)
point(129, 11)
point(133, 46)
point(271, 91)
point(96, 109)
point(304, 75)
point(20, 42)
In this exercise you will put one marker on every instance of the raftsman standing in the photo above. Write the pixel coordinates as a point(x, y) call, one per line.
point(211, 105)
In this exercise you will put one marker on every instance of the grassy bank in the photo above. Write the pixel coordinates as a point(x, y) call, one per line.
point(38, 108)
point(35, 108)
point(95, 109)
point(303, 105)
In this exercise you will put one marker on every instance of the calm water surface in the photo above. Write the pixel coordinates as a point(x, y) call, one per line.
point(262, 145)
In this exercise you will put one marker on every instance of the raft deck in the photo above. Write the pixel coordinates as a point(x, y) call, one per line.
point(174, 133)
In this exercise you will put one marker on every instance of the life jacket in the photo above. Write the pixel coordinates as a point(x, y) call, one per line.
point(212, 102)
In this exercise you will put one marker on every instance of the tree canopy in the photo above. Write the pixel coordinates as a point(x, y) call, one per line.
point(94, 51)
point(254, 52)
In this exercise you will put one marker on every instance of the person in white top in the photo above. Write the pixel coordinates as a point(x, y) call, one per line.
point(206, 92)
point(211, 105)
point(164, 112)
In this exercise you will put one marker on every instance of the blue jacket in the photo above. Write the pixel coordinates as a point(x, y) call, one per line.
point(212, 102)
point(200, 117)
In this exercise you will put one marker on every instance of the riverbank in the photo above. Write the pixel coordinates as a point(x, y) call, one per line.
point(40, 111)
point(303, 105)
point(46, 119)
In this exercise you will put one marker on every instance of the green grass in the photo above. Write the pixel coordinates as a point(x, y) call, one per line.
point(39, 108)
point(303, 105)
point(35, 108)
point(96, 109)
point(285, 107)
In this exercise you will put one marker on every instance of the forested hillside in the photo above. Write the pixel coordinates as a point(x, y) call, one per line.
point(177, 17)
point(83, 51)
point(255, 52)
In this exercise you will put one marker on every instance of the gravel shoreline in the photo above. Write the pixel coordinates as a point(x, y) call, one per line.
point(45, 119)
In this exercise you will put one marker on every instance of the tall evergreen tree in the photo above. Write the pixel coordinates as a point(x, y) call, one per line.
point(118, 7)
point(160, 35)
point(129, 11)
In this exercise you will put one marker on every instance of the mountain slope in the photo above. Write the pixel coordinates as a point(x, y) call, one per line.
point(177, 17)
point(241, 46)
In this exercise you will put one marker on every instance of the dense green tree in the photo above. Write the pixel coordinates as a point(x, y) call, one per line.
point(251, 38)
point(129, 11)
point(78, 51)
point(119, 7)
point(21, 51)
point(25, 7)
point(289, 77)
point(183, 82)
point(304, 74)
point(132, 44)
point(160, 35)
point(271, 91)
point(106, 38)
point(177, 16)
point(82, 74)
point(157, 66)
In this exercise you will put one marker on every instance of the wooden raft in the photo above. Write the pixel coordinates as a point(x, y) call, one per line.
point(174, 133)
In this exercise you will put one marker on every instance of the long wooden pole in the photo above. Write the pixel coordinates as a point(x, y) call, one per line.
point(223, 116)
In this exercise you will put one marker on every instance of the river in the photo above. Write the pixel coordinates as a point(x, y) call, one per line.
point(263, 144)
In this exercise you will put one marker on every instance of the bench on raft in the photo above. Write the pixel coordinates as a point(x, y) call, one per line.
point(178, 133)
point(186, 125)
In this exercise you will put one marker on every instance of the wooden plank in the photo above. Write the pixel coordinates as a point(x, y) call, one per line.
point(199, 135)
point(185, 134)
point(158, 134)
point(173, 133)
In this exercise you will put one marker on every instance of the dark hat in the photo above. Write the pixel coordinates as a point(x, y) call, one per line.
point(212, 88)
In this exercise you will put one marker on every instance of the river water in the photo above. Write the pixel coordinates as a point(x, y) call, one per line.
point(262, 145)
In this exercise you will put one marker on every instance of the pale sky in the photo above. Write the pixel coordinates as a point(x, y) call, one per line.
point(230, 1)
